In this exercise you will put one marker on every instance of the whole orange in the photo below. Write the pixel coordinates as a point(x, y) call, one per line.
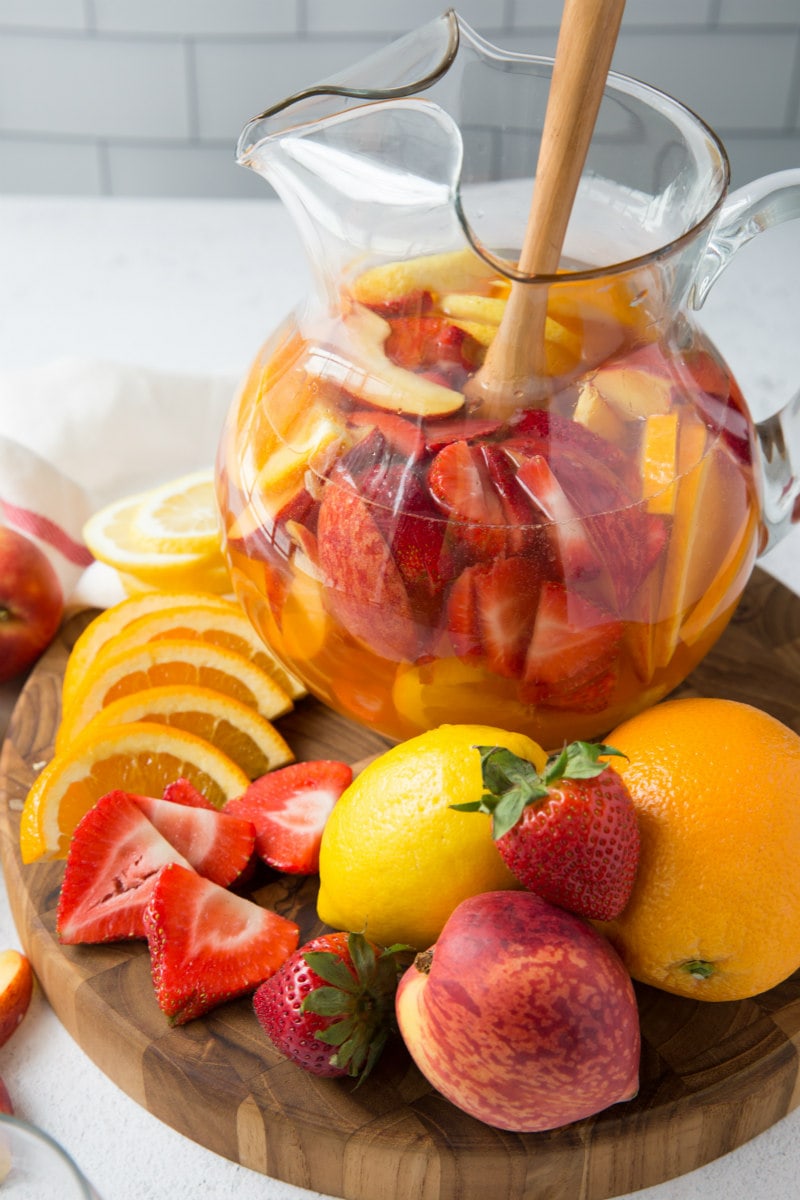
point(715, 910)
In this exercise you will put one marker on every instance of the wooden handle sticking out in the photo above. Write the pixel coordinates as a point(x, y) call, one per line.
point(516, 357)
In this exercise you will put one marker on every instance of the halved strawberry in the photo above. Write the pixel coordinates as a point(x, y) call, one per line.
point(114, 857)
point(424, 340)
point(289, 808)
point(490, 613)
point(208, 945)
point(183, 791)
point(566, 529)
point(462, 487)
point(217, 845)
point(573, 641)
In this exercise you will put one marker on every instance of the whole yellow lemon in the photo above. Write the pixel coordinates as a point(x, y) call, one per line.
point(396, 859)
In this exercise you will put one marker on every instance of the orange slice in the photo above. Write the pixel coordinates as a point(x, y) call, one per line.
point(164, 662)
point(139, 757)
point(110, 621)
point(249, 740)
point(182, 615)
point(659, 462)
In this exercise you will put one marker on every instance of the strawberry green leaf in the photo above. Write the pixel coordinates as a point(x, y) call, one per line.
point(337, 1034)
point(362, 955)
point(579, 760)
point(330, 967)
point(327, 1002)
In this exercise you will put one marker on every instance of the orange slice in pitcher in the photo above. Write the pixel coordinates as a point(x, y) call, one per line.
point(659, 462)
point(139, 757)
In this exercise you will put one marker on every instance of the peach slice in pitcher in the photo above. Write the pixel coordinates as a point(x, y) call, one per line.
point(360, 366)
point(391, 284)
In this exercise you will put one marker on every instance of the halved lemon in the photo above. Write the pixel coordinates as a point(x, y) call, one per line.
point(141, 757)
point(162, 535)
point(194, 615)
point(164, 662)
point(236, 729)
point(181, 516)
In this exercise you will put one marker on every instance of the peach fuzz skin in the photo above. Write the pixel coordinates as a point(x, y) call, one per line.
point(521, 1015)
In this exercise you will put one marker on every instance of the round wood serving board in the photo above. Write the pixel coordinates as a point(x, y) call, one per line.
point(713, 1075)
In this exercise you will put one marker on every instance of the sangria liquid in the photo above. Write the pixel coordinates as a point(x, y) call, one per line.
point(415, 562)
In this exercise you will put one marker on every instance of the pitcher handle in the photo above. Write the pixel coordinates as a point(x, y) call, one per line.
point(747, 212)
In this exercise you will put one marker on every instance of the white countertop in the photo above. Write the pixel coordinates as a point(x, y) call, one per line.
point(193, 287)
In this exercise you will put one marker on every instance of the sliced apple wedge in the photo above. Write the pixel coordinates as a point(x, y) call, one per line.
point(637, 386)
point(359, 365)
point(456, 271)
point(596, 415)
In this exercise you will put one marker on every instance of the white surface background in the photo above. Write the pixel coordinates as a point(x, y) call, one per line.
point(147, 97)
point(194, 286)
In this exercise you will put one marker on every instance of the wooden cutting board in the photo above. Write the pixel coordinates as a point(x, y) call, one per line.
point(713, 1075)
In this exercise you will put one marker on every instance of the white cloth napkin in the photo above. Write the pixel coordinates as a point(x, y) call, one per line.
point(77, 434)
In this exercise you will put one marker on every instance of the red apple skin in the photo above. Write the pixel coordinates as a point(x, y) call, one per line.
point(16, 988)
point(31, 602)
point(525, 1017)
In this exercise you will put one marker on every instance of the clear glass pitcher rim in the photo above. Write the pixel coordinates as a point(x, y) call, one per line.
point(457, 28)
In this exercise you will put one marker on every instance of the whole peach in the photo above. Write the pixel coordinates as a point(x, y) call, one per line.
point(521, 1014)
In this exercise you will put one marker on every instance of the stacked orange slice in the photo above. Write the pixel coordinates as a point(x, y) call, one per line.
point(157, 687)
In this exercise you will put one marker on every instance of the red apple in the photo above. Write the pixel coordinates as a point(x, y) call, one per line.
point(31, 602)
point(16, 988)
point(521, 1014)
point(6, 1106)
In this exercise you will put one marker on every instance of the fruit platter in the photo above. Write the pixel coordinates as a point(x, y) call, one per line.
point(712, 1075)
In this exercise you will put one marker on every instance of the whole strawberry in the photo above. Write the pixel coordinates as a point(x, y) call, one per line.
point(570, 834)
point(330, 1007)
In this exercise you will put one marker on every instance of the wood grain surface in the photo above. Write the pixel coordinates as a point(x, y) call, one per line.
point(713, 1075)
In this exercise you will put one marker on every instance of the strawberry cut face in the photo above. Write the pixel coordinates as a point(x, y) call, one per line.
point(573, 643)
point(490, 613)
point(288, 809)
point(208, 945)
point(114, 858)
point(216, 844)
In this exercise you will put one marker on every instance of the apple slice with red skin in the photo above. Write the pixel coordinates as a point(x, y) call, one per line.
point(16, 989)
point(365, 591)
point(31, 602)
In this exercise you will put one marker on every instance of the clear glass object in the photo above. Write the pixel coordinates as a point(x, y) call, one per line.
point(416, 559)
point(34, 1167)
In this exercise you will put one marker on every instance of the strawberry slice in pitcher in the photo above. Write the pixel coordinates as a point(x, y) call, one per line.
point(463, 488)
point(490, 613)
point(566, 529)
point(574, 642)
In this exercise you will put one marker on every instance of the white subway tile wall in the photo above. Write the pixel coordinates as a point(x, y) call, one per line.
point(147, 97)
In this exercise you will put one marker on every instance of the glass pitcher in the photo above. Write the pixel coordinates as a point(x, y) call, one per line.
point(550, 564)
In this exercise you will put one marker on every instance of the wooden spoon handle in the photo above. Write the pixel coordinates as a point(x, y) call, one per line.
point(586, 44)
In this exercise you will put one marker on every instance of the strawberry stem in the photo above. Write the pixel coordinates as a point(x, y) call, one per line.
point(361, 1001)
point(512, 783)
